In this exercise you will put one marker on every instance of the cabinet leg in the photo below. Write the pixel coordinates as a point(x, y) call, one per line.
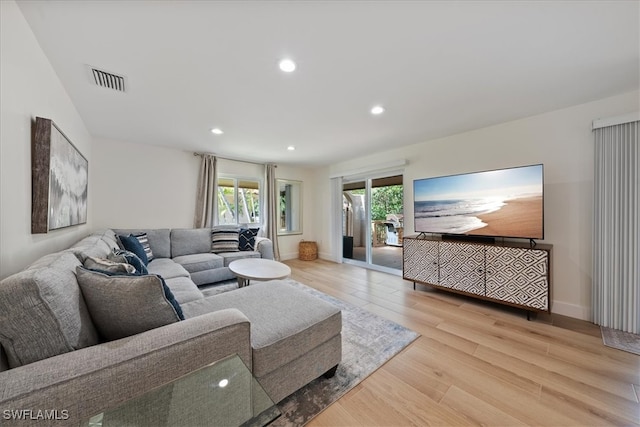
point(414, 286)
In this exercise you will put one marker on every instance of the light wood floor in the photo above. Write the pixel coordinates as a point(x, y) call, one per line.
point(477, 363)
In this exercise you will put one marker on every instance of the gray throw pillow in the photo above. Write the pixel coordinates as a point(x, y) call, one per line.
point(93, 263)
point(121, 306)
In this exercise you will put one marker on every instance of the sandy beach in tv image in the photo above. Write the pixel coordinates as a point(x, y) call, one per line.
point(506, 202)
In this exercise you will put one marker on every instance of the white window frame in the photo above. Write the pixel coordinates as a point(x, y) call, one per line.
point(236, 179)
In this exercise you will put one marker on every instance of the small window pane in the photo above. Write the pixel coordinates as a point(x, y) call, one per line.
point(226, 202)
point(249, 202)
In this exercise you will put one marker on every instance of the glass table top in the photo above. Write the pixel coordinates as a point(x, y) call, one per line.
point(224, 393)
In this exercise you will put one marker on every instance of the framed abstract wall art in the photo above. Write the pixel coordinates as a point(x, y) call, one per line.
point(59, 180)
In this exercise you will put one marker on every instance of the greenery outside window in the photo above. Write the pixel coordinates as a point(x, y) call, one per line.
point(238, 201)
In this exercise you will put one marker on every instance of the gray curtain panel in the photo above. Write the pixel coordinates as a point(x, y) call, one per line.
point(616, 237)
point(206, 201)
point(271, 221)
point(336, 219)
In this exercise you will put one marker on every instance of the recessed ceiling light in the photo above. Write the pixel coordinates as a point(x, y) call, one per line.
point(287, 65)
point(291, 148)
point(378, 109)
point(216, 131)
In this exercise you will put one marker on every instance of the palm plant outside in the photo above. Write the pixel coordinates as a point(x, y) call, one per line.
point(384, 201)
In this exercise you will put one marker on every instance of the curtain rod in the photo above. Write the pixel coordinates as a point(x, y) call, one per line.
point(229, 158)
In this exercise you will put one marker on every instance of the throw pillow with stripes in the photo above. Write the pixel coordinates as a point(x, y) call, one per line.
point(224, 239)
point(144, 241)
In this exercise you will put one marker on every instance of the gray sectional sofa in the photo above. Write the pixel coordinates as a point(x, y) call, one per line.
point(54, 355)
point(182, 252)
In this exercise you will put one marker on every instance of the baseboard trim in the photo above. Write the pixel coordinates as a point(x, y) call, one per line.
point(288, 256)
point(571, 310)
point(327, 256)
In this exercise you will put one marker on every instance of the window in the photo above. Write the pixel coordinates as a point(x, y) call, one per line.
point(238, 201)
point(290, 207)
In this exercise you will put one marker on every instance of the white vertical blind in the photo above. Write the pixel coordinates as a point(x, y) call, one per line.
point(616, 252)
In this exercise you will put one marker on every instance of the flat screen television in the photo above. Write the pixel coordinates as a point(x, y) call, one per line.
point(496, 203)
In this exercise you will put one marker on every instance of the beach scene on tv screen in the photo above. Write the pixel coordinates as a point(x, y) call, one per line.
point(505, 202)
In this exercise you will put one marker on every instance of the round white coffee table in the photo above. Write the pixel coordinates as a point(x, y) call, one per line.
point(258, 269)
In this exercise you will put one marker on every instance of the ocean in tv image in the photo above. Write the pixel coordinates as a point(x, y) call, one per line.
point(505, 202)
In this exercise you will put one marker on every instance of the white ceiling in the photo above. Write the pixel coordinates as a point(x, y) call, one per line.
point(438, 67)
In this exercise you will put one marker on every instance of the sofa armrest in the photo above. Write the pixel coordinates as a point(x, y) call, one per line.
point(86, 382)
point(265, 247)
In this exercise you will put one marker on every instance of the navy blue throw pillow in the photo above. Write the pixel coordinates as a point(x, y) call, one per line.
point(247, 239)
point(131, 243)
point(171, 298)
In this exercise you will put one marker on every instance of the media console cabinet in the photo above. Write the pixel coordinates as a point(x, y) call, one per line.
point(511, 273)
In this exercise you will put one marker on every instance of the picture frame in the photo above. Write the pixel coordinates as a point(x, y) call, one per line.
point(59, 180)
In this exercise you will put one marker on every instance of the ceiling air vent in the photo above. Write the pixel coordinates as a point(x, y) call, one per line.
point(108, 80)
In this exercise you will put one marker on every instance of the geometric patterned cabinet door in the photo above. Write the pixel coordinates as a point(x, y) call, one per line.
point(462, 267)
point(518, 275)
point(508, 272)
point(420, 259)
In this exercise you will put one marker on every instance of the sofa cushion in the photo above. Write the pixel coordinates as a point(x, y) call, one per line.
point(107, 265)
point(199, 262)
point(43, 313)
point(86, 241)
point(125, 305)
point(167, 268)
point(183, 289)
point(212, 276)
point(224, 238)
point(229, 257)
point(247, 239)
point(159, 239)
point(132, 244)
point(110, 238)
point(189, 241)
point(285, 322)
point(90, 246)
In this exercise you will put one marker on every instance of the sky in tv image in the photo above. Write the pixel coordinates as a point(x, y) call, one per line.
point(505, 202)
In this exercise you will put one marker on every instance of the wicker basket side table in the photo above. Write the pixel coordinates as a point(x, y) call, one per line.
point(307, 250)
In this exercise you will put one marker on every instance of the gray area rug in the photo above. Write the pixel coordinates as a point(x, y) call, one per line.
point(368, 341)
point(621, 340)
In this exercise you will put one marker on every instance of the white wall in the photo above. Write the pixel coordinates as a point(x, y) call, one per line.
point(289, 243)
point(562, 140)
point(29, 88)
point(155, 187)
point(143, 186)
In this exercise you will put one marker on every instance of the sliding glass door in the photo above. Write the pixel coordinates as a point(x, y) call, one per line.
point(372, 222)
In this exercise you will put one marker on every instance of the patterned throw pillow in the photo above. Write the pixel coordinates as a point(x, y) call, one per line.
point(144, 241)
point(224, 238)
point(102, 264)
point(247, 239)
point(120, 255)
point(125, 305)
